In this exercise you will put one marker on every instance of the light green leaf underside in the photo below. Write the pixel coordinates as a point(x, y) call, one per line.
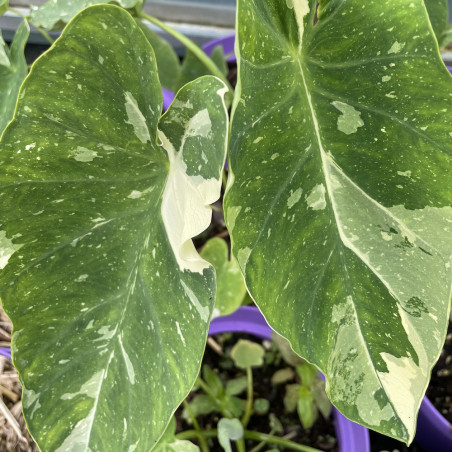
point(110, 302)
point(340, 200)
point(54, 14)
point(231, 288)
point(13, 70)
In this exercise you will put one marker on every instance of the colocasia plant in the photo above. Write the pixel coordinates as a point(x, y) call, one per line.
point(338, 203)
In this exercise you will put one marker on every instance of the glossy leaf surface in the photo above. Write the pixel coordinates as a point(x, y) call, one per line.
point(54, 14)
point(340, 202)
point(100, 198)
point(231, 289)
point(13, 70)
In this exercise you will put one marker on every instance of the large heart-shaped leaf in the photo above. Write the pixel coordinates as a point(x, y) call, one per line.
point(13, 70)
point(100, 197)
point(340, 213)
point(54, 14)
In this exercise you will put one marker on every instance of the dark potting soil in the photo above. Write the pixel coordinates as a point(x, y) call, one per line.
point(321, 436)
point(439, 391)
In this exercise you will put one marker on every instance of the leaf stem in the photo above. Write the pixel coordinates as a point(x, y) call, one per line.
point(202, 440)
point(276, 440)
point(40, 29)
point(208, 391)
point(189, 44)
point(261, 445)
point(254, 436)
point(249, 397)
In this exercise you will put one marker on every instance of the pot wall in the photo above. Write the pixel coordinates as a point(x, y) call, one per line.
point(351, 437)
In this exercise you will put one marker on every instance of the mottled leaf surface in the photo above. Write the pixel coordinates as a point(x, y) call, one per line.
point(13, 70)
point(340, 199)
point(100, 197)
point(55, 14)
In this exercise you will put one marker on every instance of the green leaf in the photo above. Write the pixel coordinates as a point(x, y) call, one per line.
point(275, 424)
point(192, 67)
point(308, 374)
point(201, 404)
point(438, 14)
point(233, 404)
point(282, 376)
point(231, 288)
point(54, 14)
point(109, 300)
point(169, 443)
point(261, 406)
point(213, 380)
point(283, 346)
point(320, 398)
point(4, 4)
point(236, 386)
point(168, 62)
point(341, 157)
point(13, 70)
point(305, 408)
point(291, 397)
point(247, 354)
point(229, 430)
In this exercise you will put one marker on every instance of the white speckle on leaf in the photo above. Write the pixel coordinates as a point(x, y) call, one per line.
point(294, 197)
point(404, 173)
point(203, 311)
point(7, 249)
point(136, 119)
point(90, 388)
point(242, 257)
point(82, 278)
point(350, 120)
point(129, 366)
point(396, 47)
point(232, 215)
point(316, 199)
point(258, 139)
point(82, 154)
point(135, 194)
point(385, 78)
point(179, 332)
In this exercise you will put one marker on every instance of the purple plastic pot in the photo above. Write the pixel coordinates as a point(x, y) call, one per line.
point(5, 351)
point(227, 42)
point(351, 437)
point(434, 433)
